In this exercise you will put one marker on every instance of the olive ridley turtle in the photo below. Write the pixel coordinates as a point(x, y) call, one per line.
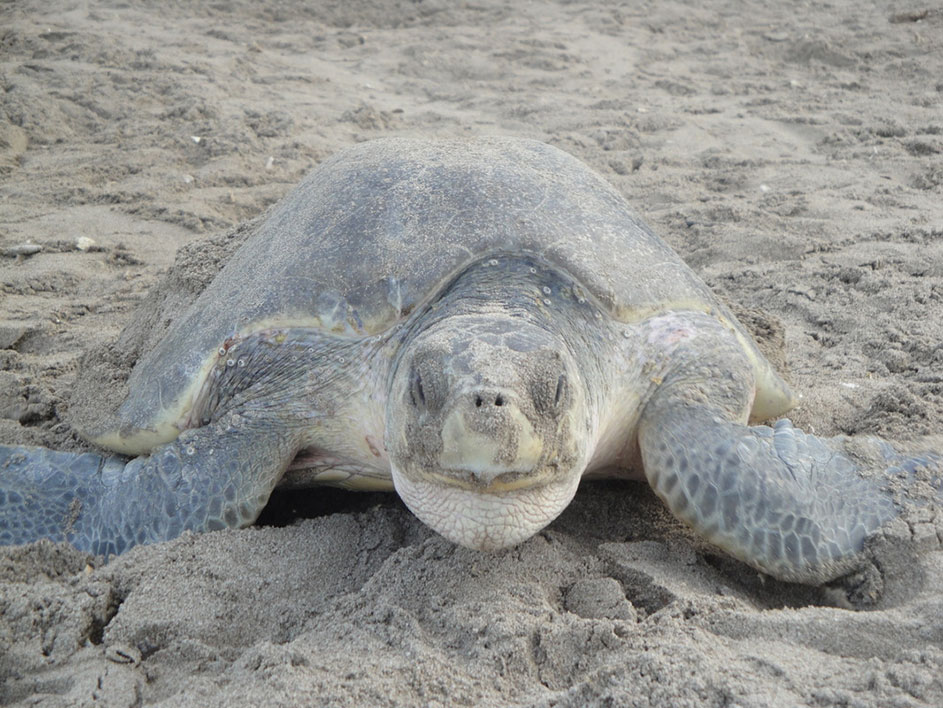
point(477, 325)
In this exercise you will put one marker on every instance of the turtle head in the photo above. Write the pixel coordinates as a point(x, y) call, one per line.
point(487, 427)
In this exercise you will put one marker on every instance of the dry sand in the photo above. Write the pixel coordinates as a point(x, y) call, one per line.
point(791, 152)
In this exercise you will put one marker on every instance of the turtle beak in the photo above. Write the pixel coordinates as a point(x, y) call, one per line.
point(488, 442)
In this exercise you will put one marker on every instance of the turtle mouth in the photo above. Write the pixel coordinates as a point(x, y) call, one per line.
point(474, 481)
point(501, 515)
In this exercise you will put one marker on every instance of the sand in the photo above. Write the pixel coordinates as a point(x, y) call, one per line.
point(791, 153)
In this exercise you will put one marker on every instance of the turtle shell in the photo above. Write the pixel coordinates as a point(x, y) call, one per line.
point(379, 228)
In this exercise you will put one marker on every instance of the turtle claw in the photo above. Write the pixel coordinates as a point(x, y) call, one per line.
point(890, 571)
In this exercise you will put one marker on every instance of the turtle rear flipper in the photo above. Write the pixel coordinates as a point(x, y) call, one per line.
point(212, 478)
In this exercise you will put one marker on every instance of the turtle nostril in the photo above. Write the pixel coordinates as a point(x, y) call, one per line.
point(488, 399)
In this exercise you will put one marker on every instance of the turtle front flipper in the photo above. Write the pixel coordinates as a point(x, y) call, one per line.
point(216, 477)
point(785, 502)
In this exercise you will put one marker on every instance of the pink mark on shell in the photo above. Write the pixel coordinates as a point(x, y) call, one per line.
point(669, 330)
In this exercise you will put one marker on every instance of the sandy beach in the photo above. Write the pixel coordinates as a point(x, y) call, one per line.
point(792, 154)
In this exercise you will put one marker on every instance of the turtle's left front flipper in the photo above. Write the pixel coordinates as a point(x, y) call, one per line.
point(781, 500)
point(216, 477)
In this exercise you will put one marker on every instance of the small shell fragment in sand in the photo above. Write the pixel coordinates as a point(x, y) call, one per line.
point(84, 243)
point(22, 249)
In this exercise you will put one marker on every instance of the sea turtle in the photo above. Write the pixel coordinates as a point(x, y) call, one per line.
point(478, 325)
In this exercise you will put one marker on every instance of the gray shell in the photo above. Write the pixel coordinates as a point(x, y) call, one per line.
point(377, 229)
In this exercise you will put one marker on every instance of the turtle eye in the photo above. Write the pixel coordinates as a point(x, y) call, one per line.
point(560, 392)
point(550, 394)
point(416, 393)
point(426, 384)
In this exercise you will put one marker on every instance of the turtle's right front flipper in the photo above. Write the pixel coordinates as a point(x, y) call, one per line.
point(212, 478)
point(783, 501)
point(798, 507)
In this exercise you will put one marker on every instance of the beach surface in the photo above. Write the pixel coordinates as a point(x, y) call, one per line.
point(792, 154)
